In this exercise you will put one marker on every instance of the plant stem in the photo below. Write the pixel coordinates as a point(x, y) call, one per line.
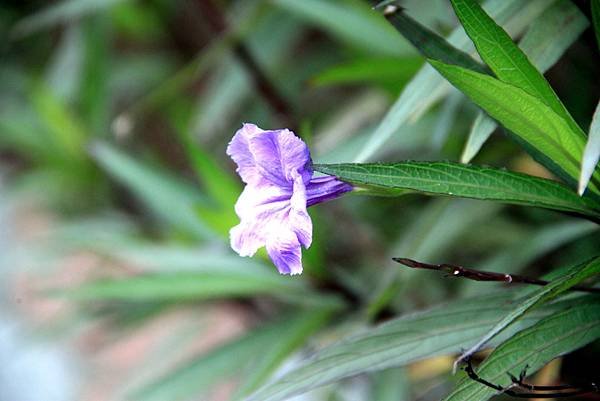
point(480, 275)
point(260, 80)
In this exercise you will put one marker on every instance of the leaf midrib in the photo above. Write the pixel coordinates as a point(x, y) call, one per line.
point(513, 195)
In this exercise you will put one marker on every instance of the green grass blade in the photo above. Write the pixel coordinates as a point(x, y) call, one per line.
point(220, 186)
point(591, 153)
point(539, 128)
point(390, 71)
point(552, 34)
point(482, 128)
point(297, 332)
point(468, 181)
point(170, 272)
point(63, 73)
point(533, 347)
point(231, 360)
point(530, 246)
point(68, 135)
point(548, 292)
point(180, 286)
point(438, 331)
point(169, 198)
point(391, 385)
point(435, 230)
point(352, 21)
point(95, 95)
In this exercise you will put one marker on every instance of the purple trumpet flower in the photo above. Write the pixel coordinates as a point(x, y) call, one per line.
point(276, 167)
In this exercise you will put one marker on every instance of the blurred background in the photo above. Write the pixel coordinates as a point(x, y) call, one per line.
point(116, 197)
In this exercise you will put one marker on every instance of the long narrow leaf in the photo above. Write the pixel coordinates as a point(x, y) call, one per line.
point(352, 21)
point(297, 332)
point(391, 71)
point(430, 44)
point(533, 347)
point(544, 42)
point(550, 291)
point(202, 373)
point(591, 153)
point(171, 199)
point(426, 88)
point(482, 128)
point(505, 58)
point(547, 136)
point(455, 179)
point(68, 134)
point(552, 34)
point(439, 331)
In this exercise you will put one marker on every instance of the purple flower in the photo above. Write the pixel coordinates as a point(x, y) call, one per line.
point(275, 165)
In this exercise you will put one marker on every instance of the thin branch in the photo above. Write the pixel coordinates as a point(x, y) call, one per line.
point(532, 391)
point(480, 275)
point(260, 80)
point(520, 382)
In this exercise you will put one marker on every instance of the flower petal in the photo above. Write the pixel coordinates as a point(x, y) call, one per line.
point(284, 250)
point(239, 150)
point(322, 189)
point(257, 207)
point(298, 219)
point(257, 200)
point(280, 155)
point(273, 215)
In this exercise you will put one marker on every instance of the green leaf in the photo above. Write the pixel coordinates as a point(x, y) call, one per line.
point(544, 42)
point(427, 87)
point(21, 132)
point(532, 122)
point(209, 284)
point(170, 272)
point(296, 333)
point(390, 71)
point(391, 385)
point(533, 347)
point(482, 128)
point(67, 132)
point(95, 96)
point(170, 198)
point(552, 34)
point(505, 58)
point(430, 44)
point(437, 229)
point(254, 349)
point(530, 246)
point(221, 187)
point(63, 74)
point(591, 153)
point(468, 181)
point(350, 20)
point(548, 292)
point(439, 331)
